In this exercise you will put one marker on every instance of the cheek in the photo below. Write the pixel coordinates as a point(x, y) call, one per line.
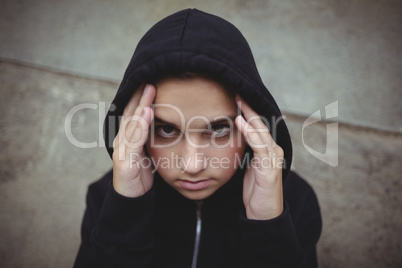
point(158, 155)
point(236, 151)
point(227, 160)
point(165, 162)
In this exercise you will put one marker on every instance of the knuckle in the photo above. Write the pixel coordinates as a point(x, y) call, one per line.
point(279, 151)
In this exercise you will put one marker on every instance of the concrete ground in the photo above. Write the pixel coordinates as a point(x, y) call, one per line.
point(44, 177)
point(55, 55)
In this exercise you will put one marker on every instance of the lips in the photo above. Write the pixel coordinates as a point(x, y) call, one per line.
point(195, 185)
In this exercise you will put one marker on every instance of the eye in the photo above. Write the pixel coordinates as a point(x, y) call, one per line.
point(166, 131)
point(221, 130)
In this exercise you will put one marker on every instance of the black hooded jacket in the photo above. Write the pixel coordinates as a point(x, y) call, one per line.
point(158, 229)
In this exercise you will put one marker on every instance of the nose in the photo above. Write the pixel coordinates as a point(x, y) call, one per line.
point(193, 159)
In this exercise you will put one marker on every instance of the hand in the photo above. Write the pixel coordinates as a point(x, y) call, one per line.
point(262, 187)
point(130, 178)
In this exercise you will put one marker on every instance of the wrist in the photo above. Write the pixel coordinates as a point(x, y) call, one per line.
point(265, 213)
point(128, 187)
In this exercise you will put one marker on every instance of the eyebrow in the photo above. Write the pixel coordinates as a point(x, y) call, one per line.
point(159, 120)
point(217, 121)
point(223, 119)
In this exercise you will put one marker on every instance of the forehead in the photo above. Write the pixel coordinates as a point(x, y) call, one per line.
point(192, 97)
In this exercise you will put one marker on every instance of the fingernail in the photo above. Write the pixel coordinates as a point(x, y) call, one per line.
point(238, 99)
point(242, 120)
point(147, 88)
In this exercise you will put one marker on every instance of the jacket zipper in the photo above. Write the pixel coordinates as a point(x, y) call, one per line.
point(197, 235)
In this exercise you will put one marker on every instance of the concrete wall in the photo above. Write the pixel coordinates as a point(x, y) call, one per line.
point(327, 50)
point(55, 55)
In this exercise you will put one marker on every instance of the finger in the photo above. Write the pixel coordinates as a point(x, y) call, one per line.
point(253, 138)
point(134, 101)
point(132, 137)
point(140, 134)
point(137, 115)
point(130, 121)
point(147, 97)
point(249, 114)
point(256, 122)
point(146, 100)
point(148, 116)
point(268, 157)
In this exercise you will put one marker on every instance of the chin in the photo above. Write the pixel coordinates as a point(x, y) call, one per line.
point(196, 195)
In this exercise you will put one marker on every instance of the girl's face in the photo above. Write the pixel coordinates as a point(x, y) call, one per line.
point(194, 143)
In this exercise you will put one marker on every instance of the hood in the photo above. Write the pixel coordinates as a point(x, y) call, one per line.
point(194, 41)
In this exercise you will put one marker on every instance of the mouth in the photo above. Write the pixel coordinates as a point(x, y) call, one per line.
point(195, 185)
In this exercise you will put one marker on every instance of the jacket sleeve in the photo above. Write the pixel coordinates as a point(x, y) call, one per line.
point(116, 231)
point(288, 240)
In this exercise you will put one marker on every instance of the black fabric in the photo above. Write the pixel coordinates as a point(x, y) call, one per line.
point(158, 228)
